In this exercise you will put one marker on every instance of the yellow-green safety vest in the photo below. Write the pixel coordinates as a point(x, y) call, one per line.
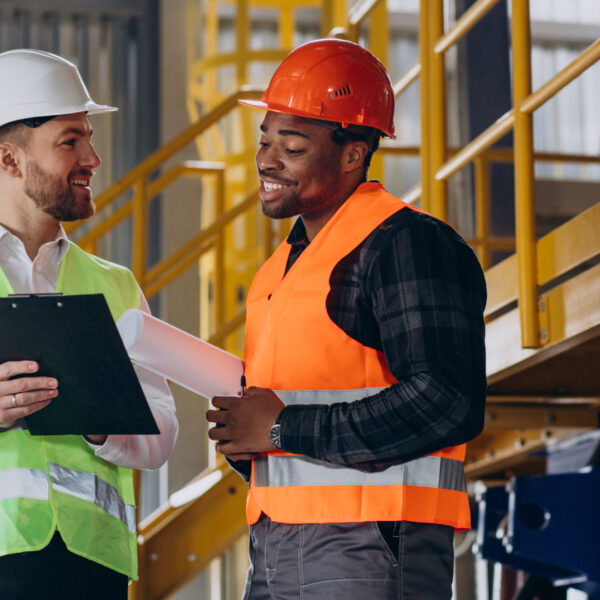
point(57, 482)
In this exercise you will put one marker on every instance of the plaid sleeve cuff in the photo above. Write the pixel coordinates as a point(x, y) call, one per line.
point(300, 428)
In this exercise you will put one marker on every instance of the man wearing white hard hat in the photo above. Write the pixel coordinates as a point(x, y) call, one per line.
point(67, 508)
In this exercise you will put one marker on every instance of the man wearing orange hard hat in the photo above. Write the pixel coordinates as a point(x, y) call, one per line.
point(364, 355)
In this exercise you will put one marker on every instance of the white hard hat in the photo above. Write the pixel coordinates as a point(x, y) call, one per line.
point(34, 83)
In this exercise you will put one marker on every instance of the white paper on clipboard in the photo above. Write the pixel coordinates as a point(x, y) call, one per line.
point(179, 356)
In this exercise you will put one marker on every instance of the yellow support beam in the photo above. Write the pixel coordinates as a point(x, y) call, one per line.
point(573, 317)
point(379, 38)
point(519, 416)
point(436, 105)
point(482, 214)
point(524, 178)
point(333, 17)
point(179, 543)
point(562, 250)
point(569, 245)
point(140, 232)
point(242, 34)
point(425, 60)
point(357, 14)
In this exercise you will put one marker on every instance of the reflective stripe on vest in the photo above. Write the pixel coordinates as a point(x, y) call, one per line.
point(289, 397)
point(24, 483)
point(279, 470)
point(427, 471)
point(90, 487)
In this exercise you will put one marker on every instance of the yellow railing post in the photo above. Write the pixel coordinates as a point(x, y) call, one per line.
point(219, 295)
point(379, 36)
point(333, 15)
point(482, 210)
point(140, 237)
point(524, 179)
point(136, 588)
point(425, 56)
point(437, 109)
point(242, 35)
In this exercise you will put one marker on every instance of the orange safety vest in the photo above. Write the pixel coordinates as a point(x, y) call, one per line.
point(294, 348)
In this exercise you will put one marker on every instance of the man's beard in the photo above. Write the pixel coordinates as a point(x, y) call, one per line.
point(55, 196)
point(294, 205)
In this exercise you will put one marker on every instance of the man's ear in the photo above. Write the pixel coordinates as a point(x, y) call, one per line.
point(353, 156)
point(10, 161)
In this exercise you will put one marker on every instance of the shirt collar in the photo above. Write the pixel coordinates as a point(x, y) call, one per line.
point(60, 239)
point(297, 234)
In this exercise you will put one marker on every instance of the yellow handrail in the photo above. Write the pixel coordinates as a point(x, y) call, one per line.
point(435, 170)
point(168, 269)
point(585, 60)
point(519, 118)
point(160, 156)
point(407, 79)
point(470, 18)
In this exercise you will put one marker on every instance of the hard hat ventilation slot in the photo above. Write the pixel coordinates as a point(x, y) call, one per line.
point(341, 92)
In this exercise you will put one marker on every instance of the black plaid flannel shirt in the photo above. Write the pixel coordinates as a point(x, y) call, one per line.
point(414, 290)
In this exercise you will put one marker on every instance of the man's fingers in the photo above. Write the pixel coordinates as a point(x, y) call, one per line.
point(216, 416)
point(26, 386)
point(218, 433)
point(24, 399)
point(228, 448)
point(17, 367)
point(31, 408)
point(223, 401)
point(11, 414)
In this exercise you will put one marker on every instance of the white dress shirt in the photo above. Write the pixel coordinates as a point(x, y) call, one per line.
point(41, 276)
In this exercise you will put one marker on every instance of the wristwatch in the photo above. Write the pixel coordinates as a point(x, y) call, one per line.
point(275, 433)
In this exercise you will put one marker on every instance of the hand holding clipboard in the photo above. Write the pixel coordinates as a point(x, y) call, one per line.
point(75, 341)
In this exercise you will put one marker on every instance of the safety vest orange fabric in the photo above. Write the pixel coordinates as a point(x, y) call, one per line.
point(294, 348)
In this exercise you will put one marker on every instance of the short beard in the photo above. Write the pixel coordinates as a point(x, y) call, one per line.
point(54, 196)
point(294, 206)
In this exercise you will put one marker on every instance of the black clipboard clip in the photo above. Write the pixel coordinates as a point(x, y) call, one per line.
point(41, 294)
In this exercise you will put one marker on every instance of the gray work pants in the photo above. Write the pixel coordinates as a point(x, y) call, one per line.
point(349, 561)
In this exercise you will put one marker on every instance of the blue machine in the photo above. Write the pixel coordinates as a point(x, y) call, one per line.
point(548, 526)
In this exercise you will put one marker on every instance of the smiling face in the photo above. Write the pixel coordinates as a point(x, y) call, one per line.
point(300, 169)
point(58, 167)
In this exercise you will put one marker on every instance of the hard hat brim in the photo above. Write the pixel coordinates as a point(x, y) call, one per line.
point(90, 108)
point(96, 109)
point(255, 104)
point(297, 113)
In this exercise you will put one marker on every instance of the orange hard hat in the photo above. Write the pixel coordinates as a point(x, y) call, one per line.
point(332, 80)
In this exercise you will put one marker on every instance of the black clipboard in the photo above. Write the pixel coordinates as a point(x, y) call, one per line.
point(75, 339)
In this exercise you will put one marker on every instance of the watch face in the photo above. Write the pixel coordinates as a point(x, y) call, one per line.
point(275, 435)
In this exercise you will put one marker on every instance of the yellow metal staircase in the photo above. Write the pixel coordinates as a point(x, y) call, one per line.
point(543, 333)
